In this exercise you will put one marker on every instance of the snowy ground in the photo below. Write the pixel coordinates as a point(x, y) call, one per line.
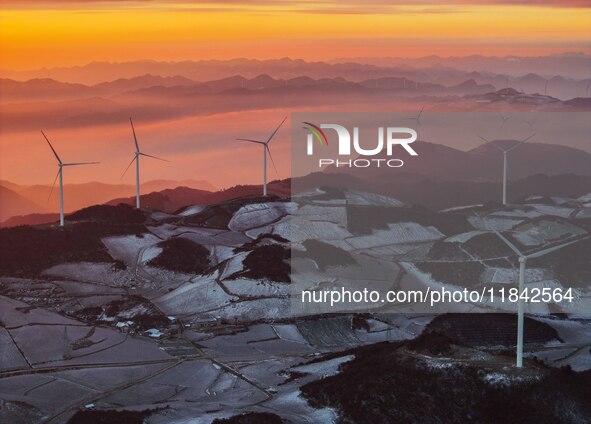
point(230, 345)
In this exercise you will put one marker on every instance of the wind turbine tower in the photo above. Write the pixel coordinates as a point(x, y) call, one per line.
point(60, 175)
point(505, 152)
point(266, 150)
point(136, 159)
point(521, 305)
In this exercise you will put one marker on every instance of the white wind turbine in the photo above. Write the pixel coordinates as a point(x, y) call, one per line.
point(521, 306)
point(505, 159)
point(136, 158)
point(60, 175)
point(266, 150)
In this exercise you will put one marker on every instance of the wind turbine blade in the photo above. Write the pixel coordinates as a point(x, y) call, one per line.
point(421, 112)
point(492, 143)
point(137, 147)
point(519, 143)
point(53, 185)
point(128, 166)
point(52, 149)
point(79, 163)
point(251, 141)
point(550, 249)
point(508, 243)
point(271, 157)
point(276, 129)
point(515, 146)
point(153, 157)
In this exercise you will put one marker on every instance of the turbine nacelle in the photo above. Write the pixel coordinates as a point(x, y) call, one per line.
point(59, 175)
point(498, 144)
point(266, 150)
point(136, 159)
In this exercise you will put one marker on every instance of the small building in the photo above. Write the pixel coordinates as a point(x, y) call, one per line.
point(209, 321)
point(154, 333)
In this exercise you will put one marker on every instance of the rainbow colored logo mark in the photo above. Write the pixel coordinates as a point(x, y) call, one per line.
point(316, 132)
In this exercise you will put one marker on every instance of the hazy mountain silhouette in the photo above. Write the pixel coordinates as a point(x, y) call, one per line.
point(234, 94)
point(484, 162)
point(573, 65)
point(171, 200)
point(433, 193)
point(13, 203)
point(23, 200)
point(30, 219)
point(438, 193)
point(50, 89)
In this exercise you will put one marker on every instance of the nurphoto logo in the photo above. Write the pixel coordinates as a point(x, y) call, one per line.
point(387, 138)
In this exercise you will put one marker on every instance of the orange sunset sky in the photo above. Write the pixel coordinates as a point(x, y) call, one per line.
point(50, 33)
point(38, 34)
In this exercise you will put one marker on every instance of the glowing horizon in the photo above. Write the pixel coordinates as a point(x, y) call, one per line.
point(36, 34)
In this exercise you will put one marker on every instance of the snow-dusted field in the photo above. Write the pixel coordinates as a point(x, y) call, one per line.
point(100, 273)
point(252, 288)
point(491, 223)
point(127, 248)
point(545, 231)
point(200, 295)
point(233, 345)
point(399, 233)
point(259, 214)
point(10, 357)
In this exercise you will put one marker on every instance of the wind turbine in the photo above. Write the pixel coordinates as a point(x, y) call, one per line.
point(60, 175)
point(136, 158)
point(521, 306)
point(504, 119)
point(505, 160)
point(417, 119)
point(546, 87)
point(266, 150)
point(531, 123)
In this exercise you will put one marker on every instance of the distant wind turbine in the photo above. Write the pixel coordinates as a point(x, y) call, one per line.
point(266, 150)
point(60, 175)
point(546, 87)
point(136, 158)
point(504, 119)
point(505, 160)
point(531, 123)
point(417, 119)
point(521, 306)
